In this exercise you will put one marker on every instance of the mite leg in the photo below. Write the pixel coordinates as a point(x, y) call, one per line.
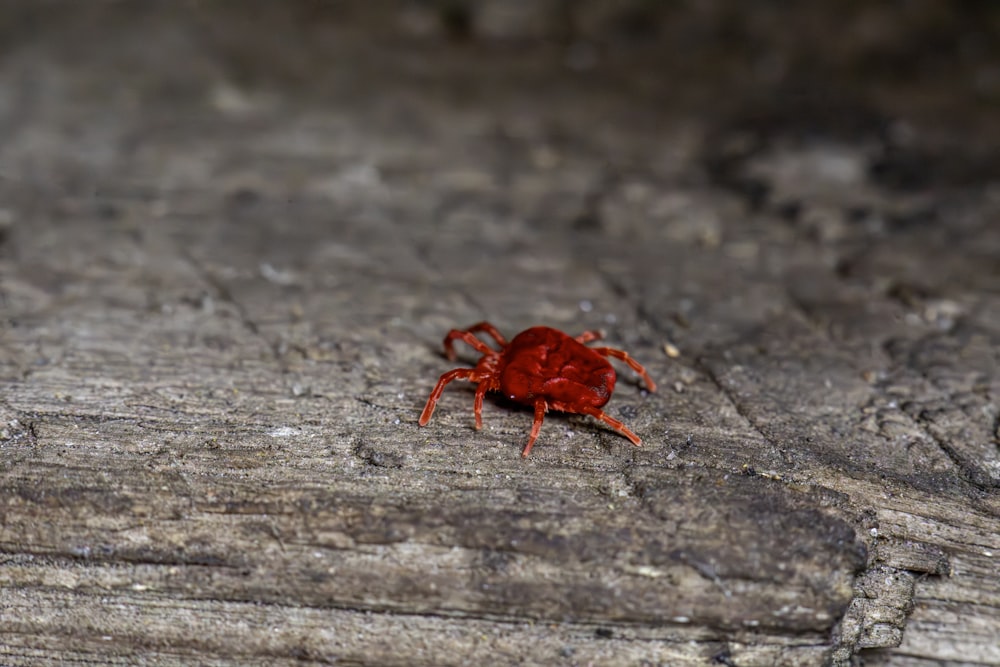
point(588, 336)
point(490, 330)
point(615, 424)
point(480, 393)
point(467, 336)
point(632, 363)
point(536, 426)
point(457, 374)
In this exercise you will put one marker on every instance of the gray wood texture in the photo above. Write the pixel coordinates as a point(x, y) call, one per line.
point(232, 238)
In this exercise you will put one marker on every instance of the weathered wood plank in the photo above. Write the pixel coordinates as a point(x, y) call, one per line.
point(223, 295)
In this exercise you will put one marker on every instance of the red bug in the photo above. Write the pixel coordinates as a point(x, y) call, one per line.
point(543, 368)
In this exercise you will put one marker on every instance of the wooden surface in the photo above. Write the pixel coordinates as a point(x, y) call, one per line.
point(232, 243)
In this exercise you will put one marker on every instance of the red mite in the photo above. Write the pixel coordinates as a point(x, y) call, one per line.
point(543, 368)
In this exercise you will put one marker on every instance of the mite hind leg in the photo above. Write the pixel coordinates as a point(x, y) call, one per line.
point(615, 424)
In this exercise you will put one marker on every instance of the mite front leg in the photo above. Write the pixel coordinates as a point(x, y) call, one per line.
point(632, 363)
point(469, 339)
point(490, 330)
point(536, 426)
point(478, 405)
point(457, 374)
point(588, 336)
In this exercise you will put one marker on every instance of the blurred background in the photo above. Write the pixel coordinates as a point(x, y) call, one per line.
point(919, 78)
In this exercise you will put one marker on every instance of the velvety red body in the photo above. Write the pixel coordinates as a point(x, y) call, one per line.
point(546, 363)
